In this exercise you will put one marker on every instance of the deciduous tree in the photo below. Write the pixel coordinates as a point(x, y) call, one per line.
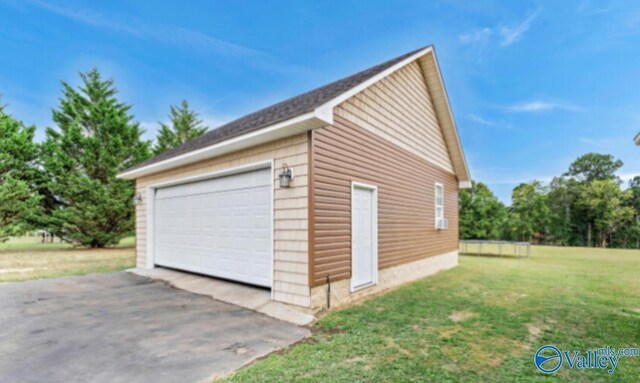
point(529, 201)
point(481, 214)
point(606, 206)
point(594, 166)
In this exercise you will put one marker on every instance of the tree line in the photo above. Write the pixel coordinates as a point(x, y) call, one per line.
point(67, 184)
point(585, 206)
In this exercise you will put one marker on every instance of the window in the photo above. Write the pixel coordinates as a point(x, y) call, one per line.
point(439, 204)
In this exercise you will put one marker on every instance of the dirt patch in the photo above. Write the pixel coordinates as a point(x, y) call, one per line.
point(631, 312)
point(515, 295)
point(495, 360)
point(448, 332)
point(392, 344)
point(22, 270)
point(360, 360)
point(535, 331)
point(460, 316)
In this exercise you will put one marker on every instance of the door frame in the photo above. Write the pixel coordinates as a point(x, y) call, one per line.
point(151, 198)
point(374, 236)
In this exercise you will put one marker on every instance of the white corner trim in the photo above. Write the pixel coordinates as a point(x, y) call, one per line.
point(464, 184)
point(298, 124)
point(272, 240)
point(150, 231)
point(374, 239)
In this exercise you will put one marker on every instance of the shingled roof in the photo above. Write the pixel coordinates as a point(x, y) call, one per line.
point(282, 111)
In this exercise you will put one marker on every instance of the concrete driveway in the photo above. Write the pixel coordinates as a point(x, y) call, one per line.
point(126, 328)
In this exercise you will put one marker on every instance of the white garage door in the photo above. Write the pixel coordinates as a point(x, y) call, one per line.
point(219, 227)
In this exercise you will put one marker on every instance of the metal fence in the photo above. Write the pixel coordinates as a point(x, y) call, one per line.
point(495, 248)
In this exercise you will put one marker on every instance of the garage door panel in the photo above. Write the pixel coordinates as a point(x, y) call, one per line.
point(229, 183)
point(219, 227)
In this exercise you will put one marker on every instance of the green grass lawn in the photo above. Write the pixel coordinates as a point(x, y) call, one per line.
point(21, 259)
point(481, 322)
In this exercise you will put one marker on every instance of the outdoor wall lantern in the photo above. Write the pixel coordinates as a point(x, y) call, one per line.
point(286, 176)
point(137, 199)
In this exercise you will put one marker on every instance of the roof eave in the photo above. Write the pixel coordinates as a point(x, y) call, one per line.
point(293, 126)
point(637, 139)
point(321, 116)
point(463, 174)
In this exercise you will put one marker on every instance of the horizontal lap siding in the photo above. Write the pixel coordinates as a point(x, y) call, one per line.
point(345, 152)
point(400, 109)
point(388, 135)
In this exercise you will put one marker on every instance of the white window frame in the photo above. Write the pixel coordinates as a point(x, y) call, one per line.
point(435, 194)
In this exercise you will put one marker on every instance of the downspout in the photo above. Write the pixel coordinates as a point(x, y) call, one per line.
point(328, 291)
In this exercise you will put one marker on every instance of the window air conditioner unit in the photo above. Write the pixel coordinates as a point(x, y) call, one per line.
point(442, 224)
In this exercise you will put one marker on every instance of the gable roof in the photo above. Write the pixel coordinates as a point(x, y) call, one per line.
point(304, 112)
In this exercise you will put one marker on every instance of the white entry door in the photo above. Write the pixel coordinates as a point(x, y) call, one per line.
point(364, 236)
point(219, 227)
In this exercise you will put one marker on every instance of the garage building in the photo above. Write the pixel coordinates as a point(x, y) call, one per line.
point(354, 184)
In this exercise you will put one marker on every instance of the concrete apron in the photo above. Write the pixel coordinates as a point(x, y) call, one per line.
point(252, 298)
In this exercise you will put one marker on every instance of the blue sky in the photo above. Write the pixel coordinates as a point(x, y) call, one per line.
point(533, 84)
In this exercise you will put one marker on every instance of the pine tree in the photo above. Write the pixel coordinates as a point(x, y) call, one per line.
point(184, 125)
point(19, 203)
point(95, 140)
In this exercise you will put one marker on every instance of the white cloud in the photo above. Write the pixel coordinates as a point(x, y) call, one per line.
point(480, 120)
point(508, 34)
point(606, 143)
point(138, 29)
point(513, 34)
point(177, 36)
point(499, 123)
point(540, 106)
point(477, 36)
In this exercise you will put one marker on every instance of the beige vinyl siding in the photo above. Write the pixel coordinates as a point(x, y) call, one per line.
point(440, 102)
point(290, 210)
point(399, 109)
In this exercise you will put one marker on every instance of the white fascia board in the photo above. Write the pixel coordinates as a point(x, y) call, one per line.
point(453, 121)
point(282, 129)
point(464, 184)
point(327, 108)
point(329, 105)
